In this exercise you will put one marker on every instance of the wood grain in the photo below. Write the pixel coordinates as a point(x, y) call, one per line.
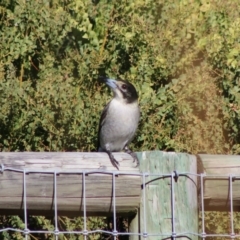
point(158, 205)
point(217, 170)
point(69, 167)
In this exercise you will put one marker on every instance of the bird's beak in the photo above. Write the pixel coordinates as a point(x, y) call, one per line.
point(112, 83)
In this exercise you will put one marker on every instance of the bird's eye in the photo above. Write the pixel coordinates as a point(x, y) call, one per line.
point(124, 86)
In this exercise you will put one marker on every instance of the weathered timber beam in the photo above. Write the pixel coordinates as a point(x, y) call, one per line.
point(168, 201)
point(70, 166)
point(218, 169)
point(70, 169)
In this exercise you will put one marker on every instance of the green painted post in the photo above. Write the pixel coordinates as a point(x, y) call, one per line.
point(158, 210)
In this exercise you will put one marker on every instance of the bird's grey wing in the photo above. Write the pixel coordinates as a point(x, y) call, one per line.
point(101, 123)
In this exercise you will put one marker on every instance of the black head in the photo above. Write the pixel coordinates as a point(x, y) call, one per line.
point(123, 90)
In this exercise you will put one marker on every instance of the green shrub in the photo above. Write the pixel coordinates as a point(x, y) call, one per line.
point(182, 56)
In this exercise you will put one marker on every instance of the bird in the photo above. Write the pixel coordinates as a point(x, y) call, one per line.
point(119, 120)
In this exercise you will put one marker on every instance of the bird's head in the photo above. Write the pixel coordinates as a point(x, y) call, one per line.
point(123, 90)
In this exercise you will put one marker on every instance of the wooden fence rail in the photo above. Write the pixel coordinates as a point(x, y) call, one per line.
point(69, 168)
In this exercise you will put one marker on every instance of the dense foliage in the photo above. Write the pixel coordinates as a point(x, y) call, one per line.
point(182, 56)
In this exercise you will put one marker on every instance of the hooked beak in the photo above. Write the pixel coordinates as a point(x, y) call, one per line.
point(112, 83)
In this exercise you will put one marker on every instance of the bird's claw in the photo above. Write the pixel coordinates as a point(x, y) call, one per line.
point(114, 162)
point(135, 160)
point(133, 154)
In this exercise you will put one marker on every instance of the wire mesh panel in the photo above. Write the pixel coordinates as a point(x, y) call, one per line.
point(168, 200)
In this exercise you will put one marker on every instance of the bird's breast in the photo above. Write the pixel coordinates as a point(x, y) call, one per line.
point(120, 125)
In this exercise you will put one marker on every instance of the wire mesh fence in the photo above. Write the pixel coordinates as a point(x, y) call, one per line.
point(147, 180)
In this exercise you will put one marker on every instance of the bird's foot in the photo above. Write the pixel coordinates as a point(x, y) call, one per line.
point(133, 154)
point(114, 162)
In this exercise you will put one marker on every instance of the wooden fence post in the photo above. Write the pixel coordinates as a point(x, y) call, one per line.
point(158, 210)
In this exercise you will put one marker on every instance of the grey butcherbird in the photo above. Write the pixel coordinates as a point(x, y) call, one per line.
point(119, 120)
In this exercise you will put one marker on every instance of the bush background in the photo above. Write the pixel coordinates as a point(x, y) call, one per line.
point(183, 56)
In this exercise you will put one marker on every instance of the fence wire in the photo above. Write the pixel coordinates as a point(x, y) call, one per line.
point(147, 178)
